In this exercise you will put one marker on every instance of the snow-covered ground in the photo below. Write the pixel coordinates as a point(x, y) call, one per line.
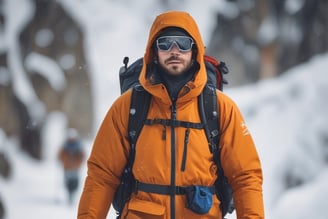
point(287, 116)
point(288, 119)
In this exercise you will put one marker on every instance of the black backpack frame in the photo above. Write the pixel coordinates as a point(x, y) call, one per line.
point(209, 114)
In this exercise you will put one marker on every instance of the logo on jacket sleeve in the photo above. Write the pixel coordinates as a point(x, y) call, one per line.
point(244, 128)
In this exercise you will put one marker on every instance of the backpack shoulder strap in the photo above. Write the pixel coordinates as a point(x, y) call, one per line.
point(208, 109)
point(140, 100)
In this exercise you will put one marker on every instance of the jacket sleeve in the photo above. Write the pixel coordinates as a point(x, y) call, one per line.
point(240, 161)
point(106, 162)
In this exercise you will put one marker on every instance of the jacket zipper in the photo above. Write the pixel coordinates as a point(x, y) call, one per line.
point(173, 156)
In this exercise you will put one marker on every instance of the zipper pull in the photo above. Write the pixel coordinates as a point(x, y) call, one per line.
point(164, 133)
point(173, 110)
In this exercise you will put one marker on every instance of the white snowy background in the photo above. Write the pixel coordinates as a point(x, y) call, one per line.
point(287, 116)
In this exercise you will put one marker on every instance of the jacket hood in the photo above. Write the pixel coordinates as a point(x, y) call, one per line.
point(184, 21)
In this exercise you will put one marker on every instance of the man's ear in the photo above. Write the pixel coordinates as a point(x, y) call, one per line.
point(154, 53)
point(194, 52)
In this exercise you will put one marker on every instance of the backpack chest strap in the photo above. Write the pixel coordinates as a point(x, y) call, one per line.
point(174, 123)
point(165, 189)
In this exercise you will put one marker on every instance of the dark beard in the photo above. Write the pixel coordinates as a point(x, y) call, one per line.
point(174, 83)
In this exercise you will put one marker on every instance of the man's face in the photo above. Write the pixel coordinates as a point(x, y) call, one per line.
point(174, 54)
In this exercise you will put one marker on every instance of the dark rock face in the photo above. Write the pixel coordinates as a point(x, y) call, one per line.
point(262, 39)
point(52, 60)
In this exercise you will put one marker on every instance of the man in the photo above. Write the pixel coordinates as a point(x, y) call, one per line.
point(174, 74)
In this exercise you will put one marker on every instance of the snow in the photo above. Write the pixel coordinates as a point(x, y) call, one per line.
point(292, 6)
point(4, 76)
point(267, 32)
point(22, 87)
point(287, 116)
point(44, 37)
point(49, 69)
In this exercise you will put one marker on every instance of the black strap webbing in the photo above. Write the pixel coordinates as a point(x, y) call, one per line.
point(165, 189)
point(140, 100)
point(208, 109)
point(175, 123)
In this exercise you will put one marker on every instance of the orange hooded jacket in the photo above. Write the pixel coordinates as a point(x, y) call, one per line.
point(154, 162)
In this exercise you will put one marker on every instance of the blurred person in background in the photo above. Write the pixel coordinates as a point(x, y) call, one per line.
point(71, 156)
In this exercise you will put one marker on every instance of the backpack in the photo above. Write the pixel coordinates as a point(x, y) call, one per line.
point(140, 100)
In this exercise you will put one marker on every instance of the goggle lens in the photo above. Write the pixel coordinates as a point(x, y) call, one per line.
point(183, 43)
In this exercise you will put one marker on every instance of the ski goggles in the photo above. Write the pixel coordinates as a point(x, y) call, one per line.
point(183, 43)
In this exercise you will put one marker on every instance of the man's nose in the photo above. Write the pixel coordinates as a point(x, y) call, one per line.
point(175, 48)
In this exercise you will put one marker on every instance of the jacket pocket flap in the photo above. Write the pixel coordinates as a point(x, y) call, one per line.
point(146, 207)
